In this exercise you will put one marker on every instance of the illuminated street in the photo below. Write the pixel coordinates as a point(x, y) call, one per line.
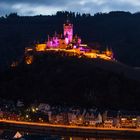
point(66, 126)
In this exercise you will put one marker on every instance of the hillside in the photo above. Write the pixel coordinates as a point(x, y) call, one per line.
point(72, 81)
point(118, 30)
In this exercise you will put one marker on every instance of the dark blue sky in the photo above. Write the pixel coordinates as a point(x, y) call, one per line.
point(47, 7)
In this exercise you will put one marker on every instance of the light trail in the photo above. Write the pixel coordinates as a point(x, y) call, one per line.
point(66, 126)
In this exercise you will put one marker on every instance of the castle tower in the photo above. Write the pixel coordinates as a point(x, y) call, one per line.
point(109, 53)
point(68, 32)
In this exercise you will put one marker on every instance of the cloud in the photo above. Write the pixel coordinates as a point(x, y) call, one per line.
point(28, 9)
point(36, 7)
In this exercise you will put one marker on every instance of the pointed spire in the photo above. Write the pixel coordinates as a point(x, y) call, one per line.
point(55, 34)
point(17, 135)
point(48, 38)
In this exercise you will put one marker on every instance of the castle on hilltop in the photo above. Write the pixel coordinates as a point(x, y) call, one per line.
point(69, 44)
point(63, 41)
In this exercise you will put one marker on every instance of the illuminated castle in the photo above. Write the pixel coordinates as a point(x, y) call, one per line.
point(67, 40)
point(70, 45)
point(62, 41)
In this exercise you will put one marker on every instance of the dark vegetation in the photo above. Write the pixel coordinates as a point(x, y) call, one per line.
point(71, 81)
point(67, 80)
point(117, 30)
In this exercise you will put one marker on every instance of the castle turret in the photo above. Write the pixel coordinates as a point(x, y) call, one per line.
point(109, 52)
point(68, 32)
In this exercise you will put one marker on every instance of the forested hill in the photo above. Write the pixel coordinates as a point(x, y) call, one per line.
point(117, 30)
point(66, 80)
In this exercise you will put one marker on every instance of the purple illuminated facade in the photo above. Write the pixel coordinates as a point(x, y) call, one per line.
point(72, 44)
point(66, 40)
point(68, 32)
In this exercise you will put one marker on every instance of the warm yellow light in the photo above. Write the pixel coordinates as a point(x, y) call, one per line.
point(80, 119)
point(14, 64)
point(70, 138)
point(28, 49)
point(33, 110)
point(134, 119)
point(29, 60)
point(40, 47)
point(106, 55)
point(123, 119)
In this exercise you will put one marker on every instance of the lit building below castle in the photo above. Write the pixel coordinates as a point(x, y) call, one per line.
point(72, 44)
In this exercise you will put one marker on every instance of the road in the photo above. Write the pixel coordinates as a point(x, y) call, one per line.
point(66, 126)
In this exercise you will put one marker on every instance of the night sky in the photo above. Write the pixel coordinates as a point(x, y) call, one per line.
point(48, 7)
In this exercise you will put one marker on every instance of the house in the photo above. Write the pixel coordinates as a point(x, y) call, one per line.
point(108, 123)
point(89, 119)
point(138, 121)
point(99, 119)
point(92, 123)
point(80, 120)
point(111, 119)
point(129, 119)
point(59, 118)
point(20, 103)
point(1, 114)
point(72, 118)
point(50, 116)
point(44, 107)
